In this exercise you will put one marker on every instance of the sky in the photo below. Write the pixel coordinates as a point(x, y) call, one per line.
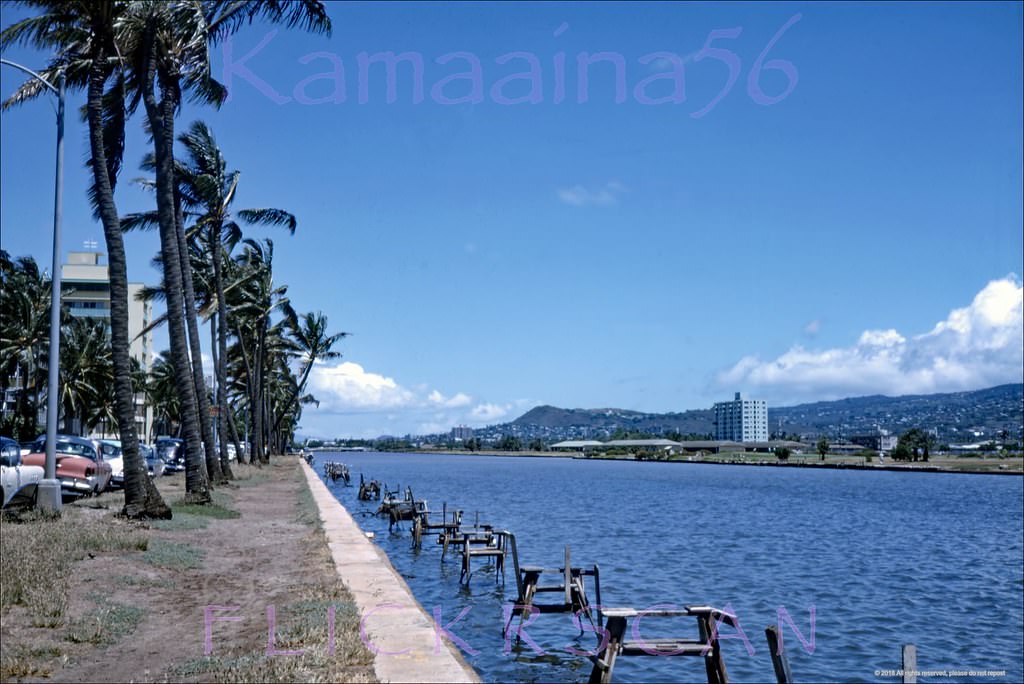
point(796, 201)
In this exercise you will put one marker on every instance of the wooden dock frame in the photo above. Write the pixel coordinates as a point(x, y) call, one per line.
point(706, 647)
point(490, 544)
point(421, 525)
point(368, 491)
point(338, 471)
point(573, 590)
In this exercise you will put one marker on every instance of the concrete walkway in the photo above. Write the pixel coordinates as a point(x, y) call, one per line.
point(395, 627)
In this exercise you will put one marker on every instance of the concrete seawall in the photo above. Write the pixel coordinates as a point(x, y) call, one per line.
point(406, 644)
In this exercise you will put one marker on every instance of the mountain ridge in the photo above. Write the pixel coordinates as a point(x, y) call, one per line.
point(953, 414)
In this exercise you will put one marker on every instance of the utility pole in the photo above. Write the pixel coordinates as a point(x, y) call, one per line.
point(48, 495)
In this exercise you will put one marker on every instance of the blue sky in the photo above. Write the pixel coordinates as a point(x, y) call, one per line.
point(862, 234)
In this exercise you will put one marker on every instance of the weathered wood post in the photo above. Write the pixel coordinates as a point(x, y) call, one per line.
point(909, 664)
point(780, 663)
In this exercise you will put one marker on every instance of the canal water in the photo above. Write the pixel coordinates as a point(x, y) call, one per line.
point(878, 559)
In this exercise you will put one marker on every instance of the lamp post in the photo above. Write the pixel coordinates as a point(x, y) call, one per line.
point(48, 491)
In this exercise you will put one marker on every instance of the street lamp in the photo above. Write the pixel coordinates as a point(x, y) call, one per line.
point(48, 491)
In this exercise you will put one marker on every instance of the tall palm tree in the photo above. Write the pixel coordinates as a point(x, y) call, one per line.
point(209, 189)
point(206, 190)
point(313, 342)
point(254, 305)
point(170, 47)
point(83, 36)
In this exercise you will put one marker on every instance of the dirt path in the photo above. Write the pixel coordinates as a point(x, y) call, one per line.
point(265, 550)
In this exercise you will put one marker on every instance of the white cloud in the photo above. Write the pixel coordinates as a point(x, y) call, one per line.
point(348, 386)
point(976, 346)
point(357, 402)
point(488, 413)
point(812, 328)
point(460, 399)
point(580, 196)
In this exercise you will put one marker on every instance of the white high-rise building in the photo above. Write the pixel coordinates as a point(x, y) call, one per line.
point(742, 420)
point(85, 291)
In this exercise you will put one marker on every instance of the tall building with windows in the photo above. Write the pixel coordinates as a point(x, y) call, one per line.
point(85, 291)
point(741, 420)
point(461, 433)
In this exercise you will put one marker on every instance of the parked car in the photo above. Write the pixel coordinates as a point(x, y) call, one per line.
point(80, 468)
point(154, 464)
point(171, 451)
point(110, 450)
point(19, 481)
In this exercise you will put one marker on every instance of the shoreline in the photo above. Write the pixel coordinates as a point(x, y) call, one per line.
point(406, 643)
point(919, 467)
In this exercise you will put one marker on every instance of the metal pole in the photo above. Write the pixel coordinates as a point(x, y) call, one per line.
point(49, 498)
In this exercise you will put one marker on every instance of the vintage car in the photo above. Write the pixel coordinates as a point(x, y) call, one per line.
point(154, 464)
point(112, 448)
point(172, 451)
point(19, 481)
point(80, 468)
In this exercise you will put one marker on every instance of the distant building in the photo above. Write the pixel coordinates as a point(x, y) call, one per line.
point(85, 291)
point(879, 441)
point(741, 420)
point(461, 433)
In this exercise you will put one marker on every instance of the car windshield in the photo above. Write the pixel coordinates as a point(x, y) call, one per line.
point(66, 447)
point(146, 451)
point(111, 450)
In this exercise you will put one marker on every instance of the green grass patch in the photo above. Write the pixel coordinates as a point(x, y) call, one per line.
point(181, 522)
point(105, 625)
point(213, 510)
point(166, 554)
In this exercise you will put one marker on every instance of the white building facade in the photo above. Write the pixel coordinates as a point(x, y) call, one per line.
point(741, 420)
point(85, 291)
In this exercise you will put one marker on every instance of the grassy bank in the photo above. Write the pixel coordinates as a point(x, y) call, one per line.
point(92, 597)
point(953, 464)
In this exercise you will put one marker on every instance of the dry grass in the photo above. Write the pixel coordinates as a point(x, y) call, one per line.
point(38, 564)
point(302, 625)
point(37, 552)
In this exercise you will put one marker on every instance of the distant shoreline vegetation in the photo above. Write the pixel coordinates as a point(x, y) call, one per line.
point(665, 82)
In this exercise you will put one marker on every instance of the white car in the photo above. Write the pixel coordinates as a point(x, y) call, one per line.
point(112, 449)
point(19, 481)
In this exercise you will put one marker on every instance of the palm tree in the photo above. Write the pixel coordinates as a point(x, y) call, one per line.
point(163, 396)
point(210, 188)
point(311, 339)
point(86, 374)
point(24, 334)
point(169, 43)
point(83, 36)
point(206, 190)
point(254, 304)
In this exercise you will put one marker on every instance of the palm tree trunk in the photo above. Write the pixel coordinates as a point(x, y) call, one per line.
point(239, 454)
point(250, 385)
point(161, 120)
point(222, 437)
point(202, 400)
point(257, 407)
point(141, 498)
point(220, 343)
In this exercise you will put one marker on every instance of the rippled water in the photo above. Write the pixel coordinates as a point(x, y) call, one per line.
point(883, 558)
